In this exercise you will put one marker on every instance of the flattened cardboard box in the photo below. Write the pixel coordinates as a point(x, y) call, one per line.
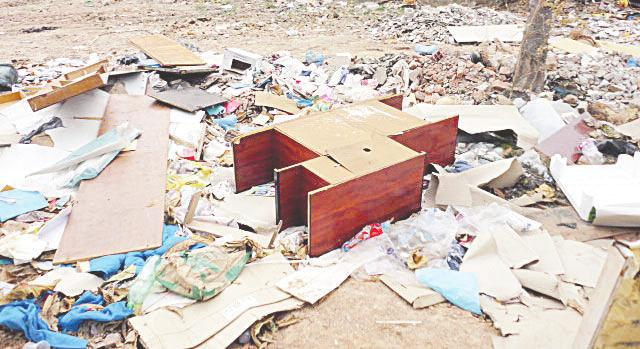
point(217, 322)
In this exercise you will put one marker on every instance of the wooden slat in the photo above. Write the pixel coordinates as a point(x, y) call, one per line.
point(122, 210)
point(166, 51)
point(339, 211)
point(67, 91)
point(95, 68)
point(292, 185)
point(437, 139)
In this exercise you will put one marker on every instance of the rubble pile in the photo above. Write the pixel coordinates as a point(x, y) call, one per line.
point(429, 24)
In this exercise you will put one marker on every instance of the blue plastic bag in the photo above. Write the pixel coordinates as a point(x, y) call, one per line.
point(457, 287)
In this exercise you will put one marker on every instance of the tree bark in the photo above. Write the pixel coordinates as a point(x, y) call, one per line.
point(530, 71)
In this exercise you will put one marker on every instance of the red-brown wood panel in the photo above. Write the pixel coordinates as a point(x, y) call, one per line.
point(292, 185)
point(338, 212)
point(289, 152)
point(253, 159)
point(438, 140)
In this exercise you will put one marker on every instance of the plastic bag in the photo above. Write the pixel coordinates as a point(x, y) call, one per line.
point(430, 232)
point(202, 273)
point(143, 285)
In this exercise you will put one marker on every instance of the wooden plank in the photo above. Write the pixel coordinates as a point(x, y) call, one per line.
point(437, 139)
point(292, 185)
point(189, 99)
point(74, 88)
point(600, 301)
point(95, 68)
point(253, 159)
point(337, 212)
point(166, 51)
point(122, 210)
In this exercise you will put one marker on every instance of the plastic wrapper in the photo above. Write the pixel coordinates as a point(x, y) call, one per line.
point(590, 152)
point(369, 231)
point(430, 233)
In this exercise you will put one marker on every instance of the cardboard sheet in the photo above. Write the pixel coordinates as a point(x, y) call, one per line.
point(632, 50)
point(494, 276)
point(278, 102)
point(189, 99)
point(316, 281)
point(512, 248)
point(462, 188)
point(582, 262)
point(217, 322)
point(166, 51)
point(544, 247)
point(475, 119)
point(572, 46)
point(482, 33)
point(415, 294)
point(631, 129)
point(254, 211)
point(610, 192)
point(227, 233)
point(122, 210)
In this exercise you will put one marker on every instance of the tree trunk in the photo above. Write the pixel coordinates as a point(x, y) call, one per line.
point(530, 69)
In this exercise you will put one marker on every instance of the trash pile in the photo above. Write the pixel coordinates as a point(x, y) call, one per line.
point(120, 224)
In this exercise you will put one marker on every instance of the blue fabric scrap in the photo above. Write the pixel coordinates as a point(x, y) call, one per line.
point(24, 316)
point(89, 298)
point(71, 321)
point(107, 266)
point(457, 287)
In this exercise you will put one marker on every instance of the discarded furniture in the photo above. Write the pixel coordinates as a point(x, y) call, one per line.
point(339, 170)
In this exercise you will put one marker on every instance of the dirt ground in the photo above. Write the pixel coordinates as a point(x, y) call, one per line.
point(347, 317)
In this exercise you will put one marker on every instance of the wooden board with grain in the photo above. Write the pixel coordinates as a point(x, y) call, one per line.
point(95, 68)
point(339, 211)
point(166, 51)
point(253, 159)
point(122, 210)
point(71, 89)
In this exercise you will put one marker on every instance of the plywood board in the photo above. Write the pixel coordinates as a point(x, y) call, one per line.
point(67, 91)
point(189, 99)
point(274, 101)
point(327, 169)
point(572, 46)
point(122, 210)
point(166, 51)
point(339, 211)
point(482, 33)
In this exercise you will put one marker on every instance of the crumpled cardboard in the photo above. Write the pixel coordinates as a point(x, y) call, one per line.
point(217, 322)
